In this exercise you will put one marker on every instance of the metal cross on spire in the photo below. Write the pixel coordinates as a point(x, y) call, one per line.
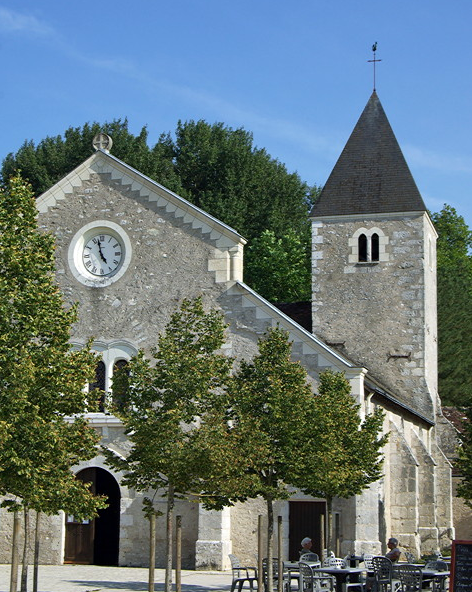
point(375, 60)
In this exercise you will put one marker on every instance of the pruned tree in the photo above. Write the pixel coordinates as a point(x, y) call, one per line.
point(42, 401)
point(168, 396)
point(262, 439)
point(346, 451)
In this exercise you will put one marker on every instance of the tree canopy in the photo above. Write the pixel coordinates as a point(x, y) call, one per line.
point(43, 432)
point(454, 279)
point(41, 379)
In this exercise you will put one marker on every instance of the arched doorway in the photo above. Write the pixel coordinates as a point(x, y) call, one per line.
point(96, 541)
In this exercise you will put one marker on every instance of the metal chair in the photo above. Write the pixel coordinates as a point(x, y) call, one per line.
point(242, 574)
point(275, 575)
point(311, 582)
point(383, 573)
point(411, 578)
point(309, 557)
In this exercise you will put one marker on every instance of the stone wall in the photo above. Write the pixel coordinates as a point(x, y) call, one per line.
point(384, 309)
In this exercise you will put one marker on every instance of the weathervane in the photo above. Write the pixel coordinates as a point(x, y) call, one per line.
point(375, 60)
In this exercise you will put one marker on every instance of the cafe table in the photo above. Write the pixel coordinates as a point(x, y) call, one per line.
point(342, 575)
point(437, 577)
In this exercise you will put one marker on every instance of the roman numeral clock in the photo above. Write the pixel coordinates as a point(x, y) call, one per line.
point(102, 254)
point(99, 253)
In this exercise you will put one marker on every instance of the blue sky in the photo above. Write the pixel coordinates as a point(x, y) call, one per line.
point(294, 73)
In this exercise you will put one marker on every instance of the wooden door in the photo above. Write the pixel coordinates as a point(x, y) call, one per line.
point(79, 540)
point(80, 535)
point(305, 520)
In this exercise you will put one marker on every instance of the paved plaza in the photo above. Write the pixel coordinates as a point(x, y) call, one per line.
point(93, 578)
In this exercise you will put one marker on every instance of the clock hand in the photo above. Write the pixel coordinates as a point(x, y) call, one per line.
point(101, 254)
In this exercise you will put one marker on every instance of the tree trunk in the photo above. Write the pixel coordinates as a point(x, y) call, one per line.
point(14, 553)
point(170, 518)
point(24, 567)
point(36, 553)
point(152, 551)
point(270, 542)
point(260, 575)
point(178, 555)
point(280, 568)
point(329, 537)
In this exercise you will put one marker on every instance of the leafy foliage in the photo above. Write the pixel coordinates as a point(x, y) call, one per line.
point(346, 451)
point(464, 461)
point(349, 447)
point(454, 307)
point(41, 379)
point(169, 397)
point(279, 268)
point(214, 166)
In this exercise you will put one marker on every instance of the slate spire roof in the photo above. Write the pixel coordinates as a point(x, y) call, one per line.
point(371, 176)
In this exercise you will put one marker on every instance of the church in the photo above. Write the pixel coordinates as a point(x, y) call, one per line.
point(373, 317)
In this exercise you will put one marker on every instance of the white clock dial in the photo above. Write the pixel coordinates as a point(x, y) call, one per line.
point(102, 254)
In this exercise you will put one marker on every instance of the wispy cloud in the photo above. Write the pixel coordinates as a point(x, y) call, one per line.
point(418, 157)
point(16, 22)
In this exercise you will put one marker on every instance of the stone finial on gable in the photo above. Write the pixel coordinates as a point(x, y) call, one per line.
point(102, 142)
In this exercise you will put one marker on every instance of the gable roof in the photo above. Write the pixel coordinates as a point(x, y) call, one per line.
point(371, 176)
point(102, 162)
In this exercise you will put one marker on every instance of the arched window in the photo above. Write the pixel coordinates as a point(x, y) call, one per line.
point(120, 383)
point(99, 385)
point(374, 245)
point(362, 244)
point(368, 245)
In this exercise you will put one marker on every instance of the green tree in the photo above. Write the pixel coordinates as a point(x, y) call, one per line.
point(454, 278)
point(464, 461)
point(280, 268)
point(346, 450)
point(41, 378)
point(168, 397)
point(264, 396)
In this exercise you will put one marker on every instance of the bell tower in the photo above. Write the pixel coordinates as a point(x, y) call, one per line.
point(374, 264)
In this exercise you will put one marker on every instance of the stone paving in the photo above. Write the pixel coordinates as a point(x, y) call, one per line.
point(93, 578)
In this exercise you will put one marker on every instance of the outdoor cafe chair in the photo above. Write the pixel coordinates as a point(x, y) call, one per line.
point(275, 575)
point(411, 578)
point(383, 573)
point(242, 574)
point(309, 557)
point(311, 582)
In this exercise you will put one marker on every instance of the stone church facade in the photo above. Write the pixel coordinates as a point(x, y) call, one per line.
point(129, 250)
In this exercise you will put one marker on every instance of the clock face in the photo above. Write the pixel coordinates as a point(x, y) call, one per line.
point(102, 254)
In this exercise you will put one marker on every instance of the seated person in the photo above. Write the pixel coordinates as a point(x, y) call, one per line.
point(306, 544)
point(394, 552)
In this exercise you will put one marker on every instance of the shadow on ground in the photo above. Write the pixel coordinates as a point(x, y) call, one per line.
point(96, 585)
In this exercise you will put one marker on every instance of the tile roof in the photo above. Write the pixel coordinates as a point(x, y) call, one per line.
point(371, 176)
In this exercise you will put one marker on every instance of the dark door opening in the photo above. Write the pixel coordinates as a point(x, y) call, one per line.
point(305, 520)
point(96, 541)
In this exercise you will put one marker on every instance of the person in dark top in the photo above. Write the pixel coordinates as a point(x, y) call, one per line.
point(306, 544)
